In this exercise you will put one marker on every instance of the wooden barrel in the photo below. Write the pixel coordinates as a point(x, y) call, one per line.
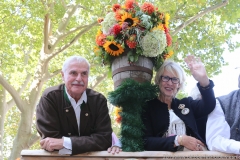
point(140, 71)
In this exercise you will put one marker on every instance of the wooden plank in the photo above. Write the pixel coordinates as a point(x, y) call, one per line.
point(146, 155)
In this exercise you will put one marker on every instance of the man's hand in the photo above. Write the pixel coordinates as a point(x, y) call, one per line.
point(114, 149)
point(50, 144)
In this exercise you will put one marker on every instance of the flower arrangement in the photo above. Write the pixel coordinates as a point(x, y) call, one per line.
point(135, 30)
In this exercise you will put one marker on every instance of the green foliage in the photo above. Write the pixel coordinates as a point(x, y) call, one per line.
point(131, 96)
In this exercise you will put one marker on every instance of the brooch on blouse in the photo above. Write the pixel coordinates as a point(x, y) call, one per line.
point(184, 111)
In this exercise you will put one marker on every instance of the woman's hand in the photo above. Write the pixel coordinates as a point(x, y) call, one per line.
point(192, 143)
point(114, 149)
point(197, 69)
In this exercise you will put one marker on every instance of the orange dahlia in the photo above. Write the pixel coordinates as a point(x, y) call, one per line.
point(100, 40)
point(119, 13)
point(148, 7)
point(100, 20)
point(129, 4)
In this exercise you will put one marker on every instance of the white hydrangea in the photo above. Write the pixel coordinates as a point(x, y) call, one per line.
point(153, 43)
point(108, 22)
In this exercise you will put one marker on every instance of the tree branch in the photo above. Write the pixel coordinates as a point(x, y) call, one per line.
point(45, 32)
point(66, 18)
point(99, 79)
point(179, 8)
point(25, 83)
point(13, 93)
point(75, 38)
point(202, 13)
point(55, 73)
point(73, 30)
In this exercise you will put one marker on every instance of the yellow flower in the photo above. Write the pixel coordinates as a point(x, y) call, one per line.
point(127, 17)
point(160, 27)
point(113, 48)
point(168, 55)
point(99, 32)
point(167, 18)
point(117, 110)
point(96, 50)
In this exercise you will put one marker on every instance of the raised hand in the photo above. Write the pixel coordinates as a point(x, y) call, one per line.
point(197, 69)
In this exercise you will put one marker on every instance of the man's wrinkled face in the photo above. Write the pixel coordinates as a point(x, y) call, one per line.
point(76, 79)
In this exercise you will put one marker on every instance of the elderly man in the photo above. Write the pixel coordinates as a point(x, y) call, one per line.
point(223, 124)
point(71, 117)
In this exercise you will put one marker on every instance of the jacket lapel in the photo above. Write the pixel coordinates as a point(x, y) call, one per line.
point(69, 112)
point(188, 119)
point(84, 118)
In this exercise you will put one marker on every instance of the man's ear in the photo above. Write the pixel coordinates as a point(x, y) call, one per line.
point(62, 75)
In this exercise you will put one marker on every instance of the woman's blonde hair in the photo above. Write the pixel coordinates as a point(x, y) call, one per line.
point(173, 68)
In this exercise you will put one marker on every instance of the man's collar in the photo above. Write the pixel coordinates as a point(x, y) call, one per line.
point(82, 99)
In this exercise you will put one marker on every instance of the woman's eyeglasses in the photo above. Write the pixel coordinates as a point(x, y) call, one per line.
point(173, 79)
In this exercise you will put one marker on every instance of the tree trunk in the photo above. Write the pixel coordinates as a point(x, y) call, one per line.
point(22, 139)
point(2, 118)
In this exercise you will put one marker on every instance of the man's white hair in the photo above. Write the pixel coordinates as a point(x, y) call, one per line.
point(71, 59)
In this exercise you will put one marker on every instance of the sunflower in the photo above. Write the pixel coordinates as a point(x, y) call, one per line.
point(113, 48)
point(168, 55)
point(127, 17)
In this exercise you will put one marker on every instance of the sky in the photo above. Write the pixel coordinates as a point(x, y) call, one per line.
point(226, 81)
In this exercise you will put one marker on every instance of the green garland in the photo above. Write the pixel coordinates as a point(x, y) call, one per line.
point(131, 96)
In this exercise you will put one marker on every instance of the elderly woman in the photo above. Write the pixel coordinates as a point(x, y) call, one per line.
point(170, 123)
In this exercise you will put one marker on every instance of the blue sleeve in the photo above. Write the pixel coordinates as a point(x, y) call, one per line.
point(207, 104)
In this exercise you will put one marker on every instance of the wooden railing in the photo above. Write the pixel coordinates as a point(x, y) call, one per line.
point(104, 155)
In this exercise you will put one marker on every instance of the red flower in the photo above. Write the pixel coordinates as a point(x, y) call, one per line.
point(129, 4)
point(165, 29)
point(169, 39)
point(119, 119)
point(148, 8)
point(100, 40)
point(131, 44)
point(116, 29)
point(116, 7)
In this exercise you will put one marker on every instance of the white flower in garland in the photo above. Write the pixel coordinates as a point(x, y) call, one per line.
point(108, 22)
point(153, 43)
